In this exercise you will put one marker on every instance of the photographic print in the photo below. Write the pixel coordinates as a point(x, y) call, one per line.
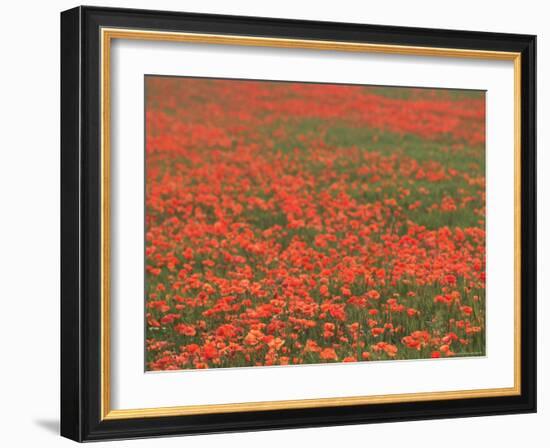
point(336, 219)
point(299, 223)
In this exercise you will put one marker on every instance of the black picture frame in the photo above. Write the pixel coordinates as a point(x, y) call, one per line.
point(81, 210)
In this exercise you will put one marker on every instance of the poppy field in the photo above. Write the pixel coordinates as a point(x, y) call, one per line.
point(298, 223)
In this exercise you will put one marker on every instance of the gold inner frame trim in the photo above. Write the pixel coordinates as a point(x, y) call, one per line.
point(107, 35)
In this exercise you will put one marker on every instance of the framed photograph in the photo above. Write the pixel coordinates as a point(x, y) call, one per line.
point(273, 223)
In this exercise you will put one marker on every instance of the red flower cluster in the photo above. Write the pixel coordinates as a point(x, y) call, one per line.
point(291, 223)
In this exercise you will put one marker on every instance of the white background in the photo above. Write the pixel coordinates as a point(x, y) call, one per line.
point(132, 388)
point(29, 229)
